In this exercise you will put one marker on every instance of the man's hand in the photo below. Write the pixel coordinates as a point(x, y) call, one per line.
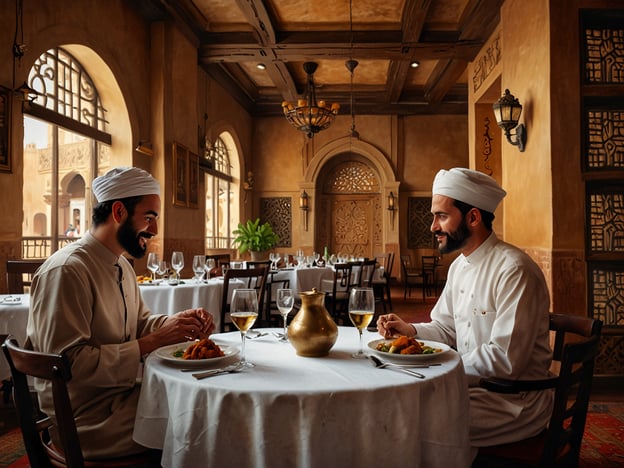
point(187, 325)
point(392, 325)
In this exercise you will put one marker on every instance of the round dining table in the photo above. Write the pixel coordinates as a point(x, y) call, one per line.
point(13, 320)
point(292, 411)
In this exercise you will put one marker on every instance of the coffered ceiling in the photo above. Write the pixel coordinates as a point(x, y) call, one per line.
point(234, 37)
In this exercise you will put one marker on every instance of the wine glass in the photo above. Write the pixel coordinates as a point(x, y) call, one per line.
point(177, 263)
point(152, 264)
point(244, 312)
point(209, 266)
point(285, 301)
point(199, 267)
point(162, 269)
point(361, 311)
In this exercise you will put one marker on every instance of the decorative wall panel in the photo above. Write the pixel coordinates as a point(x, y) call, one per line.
point(419, 223)
point(604, 50)
point(604, 134)
point(277, 212)
point(606, 220)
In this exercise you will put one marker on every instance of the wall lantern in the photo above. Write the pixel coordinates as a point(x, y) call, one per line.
point(303, 206)
point(507, 111)
point(391, 207)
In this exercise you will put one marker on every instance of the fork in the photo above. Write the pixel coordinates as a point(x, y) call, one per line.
point(226, 370)
point(379, 364)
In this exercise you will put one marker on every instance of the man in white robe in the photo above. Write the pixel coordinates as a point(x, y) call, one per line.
point(494, 310)
point(85, 303)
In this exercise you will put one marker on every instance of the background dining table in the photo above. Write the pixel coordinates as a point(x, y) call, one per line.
point(293, 411)
point(13, 321)
point(164, 298)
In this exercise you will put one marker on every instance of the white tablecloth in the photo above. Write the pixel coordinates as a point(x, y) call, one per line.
point(304, 279)
point(166, 299)
point(292, 411)
point(13, 321)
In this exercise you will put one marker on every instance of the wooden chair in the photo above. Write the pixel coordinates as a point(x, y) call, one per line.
point(412, 277)
point(575, 349)
point(429, 265)
point(255, 278)
point(35, 425)
point(337, 300)
point(220, 260)
point(382, 285)
point(264, 308)
point(20, 273)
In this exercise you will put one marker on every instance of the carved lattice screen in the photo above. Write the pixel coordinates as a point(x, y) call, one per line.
point(418, 223)
point(277, 212)
point(602, 161)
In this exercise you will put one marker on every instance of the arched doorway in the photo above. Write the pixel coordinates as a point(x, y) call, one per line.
point(349, 205)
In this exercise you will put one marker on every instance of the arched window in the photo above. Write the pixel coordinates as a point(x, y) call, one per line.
point(221, 162)
point(65, 147)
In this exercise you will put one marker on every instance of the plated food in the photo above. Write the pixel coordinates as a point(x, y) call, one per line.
point(199, 353)
point(406, 349)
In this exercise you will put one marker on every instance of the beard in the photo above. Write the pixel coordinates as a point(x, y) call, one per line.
point(130, 240)
point(455, 240)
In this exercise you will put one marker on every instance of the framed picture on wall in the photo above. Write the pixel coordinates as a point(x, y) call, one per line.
point(5, 129)
point(180, 175)
point(193, 180)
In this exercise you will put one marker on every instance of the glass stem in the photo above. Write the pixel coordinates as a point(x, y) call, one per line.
point(285, 319)
point(243, 348)
point(360, 351)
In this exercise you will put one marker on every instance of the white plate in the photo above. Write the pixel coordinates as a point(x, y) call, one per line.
point(166, 353)
point(11, 300)
point(405, 358)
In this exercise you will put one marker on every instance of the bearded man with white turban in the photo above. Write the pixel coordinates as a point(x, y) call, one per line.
point(494, 310)
point(85, 303)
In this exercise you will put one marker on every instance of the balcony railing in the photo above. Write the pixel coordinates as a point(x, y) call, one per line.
point(41, 247)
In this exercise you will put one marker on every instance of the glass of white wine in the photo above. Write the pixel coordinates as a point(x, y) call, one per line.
point(361, 311)
point(285, 302)
point(244, 312)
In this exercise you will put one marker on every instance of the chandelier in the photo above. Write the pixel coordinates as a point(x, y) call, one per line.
point(308, 115)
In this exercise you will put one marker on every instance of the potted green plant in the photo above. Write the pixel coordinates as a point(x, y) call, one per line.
point(256, 238)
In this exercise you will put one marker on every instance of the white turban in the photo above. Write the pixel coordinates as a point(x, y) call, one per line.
point(468, 186)
point(123, 182)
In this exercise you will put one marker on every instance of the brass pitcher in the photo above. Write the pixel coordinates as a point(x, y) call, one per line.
point(312, 332)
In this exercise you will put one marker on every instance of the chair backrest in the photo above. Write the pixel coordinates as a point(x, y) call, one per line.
point(219, 259)
point(56, 369)
point(429, 263)
point(406, 264)
point(572, 391)
point(19, 274)
point(367, 271)
point(256, 278)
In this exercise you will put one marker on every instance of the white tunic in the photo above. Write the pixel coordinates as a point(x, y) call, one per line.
point(495, 311)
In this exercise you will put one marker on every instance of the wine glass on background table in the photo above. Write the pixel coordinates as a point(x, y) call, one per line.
point(177, 263)
point(361, 311)
point(152, 264)
point(209, 266)
point(285, 301)
point(162, 269)
point(244, 312)
point(199, 267)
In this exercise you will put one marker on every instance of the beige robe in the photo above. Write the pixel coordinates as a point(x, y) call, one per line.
point(77, 308)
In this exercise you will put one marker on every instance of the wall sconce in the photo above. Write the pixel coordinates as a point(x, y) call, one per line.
point(144, 147)
point(303, 206)
point(507, 111)
point(391, 207)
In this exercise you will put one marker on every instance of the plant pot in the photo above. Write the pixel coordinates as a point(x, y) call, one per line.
point(259, 256)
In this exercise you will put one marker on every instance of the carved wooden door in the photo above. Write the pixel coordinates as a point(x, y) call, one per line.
point(351, 225)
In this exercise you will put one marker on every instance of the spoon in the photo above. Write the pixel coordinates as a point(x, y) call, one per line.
point(381, 365)
point(255, 335)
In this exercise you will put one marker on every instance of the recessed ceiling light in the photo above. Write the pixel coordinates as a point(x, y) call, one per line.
point(261, 66)
point(415, 64)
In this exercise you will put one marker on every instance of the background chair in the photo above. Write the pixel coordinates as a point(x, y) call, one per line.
point(337, 300)
point(575, 349)
point(35, 425)
point(381, 285)
point(220, 260)
point(20, 273)
point(412, 277)
point(429, 265)
point(255, 278)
